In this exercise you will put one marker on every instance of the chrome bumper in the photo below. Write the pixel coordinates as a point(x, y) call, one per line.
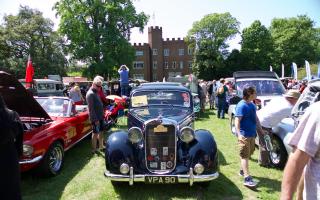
point(182, 178)
point(29, 161)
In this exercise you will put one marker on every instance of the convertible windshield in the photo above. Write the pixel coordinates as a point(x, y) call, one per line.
point(54, 107)
point(175, 98)
point(263, 87)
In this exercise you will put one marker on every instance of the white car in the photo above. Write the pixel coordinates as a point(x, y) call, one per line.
point(267, 84)
point(282, 133)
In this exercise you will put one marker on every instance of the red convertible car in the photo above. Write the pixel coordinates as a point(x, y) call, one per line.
point(52, 125)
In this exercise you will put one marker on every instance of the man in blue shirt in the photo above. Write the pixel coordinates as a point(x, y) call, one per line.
point(246, 122)
point(124, 80)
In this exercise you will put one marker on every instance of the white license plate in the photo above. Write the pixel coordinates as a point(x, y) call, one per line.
point(161, 179)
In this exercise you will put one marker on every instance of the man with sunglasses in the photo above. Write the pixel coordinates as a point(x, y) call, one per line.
point(95, 107)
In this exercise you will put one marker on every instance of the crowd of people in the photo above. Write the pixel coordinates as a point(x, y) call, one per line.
point(216, 93)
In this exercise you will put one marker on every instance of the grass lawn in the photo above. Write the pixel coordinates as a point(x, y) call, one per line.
point(82, 176)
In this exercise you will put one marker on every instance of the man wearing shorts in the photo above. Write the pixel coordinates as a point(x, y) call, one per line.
point(95, 107)
point(246, 122)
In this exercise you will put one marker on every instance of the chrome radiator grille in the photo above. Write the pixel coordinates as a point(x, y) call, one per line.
point(160, 144)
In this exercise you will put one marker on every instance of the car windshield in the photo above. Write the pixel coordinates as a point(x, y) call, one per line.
point(264, 87)
point(174, 98)
point(54, 107)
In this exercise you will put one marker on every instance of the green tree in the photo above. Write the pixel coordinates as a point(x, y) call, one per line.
point(295, 40)
point(209, 38)
point(29, 33)
point(257, 46)
point(97, 32)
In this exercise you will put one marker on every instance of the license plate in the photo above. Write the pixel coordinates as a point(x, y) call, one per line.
point(161, 179)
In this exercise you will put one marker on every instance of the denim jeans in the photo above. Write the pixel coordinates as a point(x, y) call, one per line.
point(221, 107)
point(124, 89)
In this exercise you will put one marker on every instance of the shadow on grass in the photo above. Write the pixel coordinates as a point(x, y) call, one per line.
point(271, 184)
point(52, 187)
point(222, 160)
point(202, 116)
point(221, 188)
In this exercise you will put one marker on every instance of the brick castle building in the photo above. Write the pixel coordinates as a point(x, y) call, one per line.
point(161, 58)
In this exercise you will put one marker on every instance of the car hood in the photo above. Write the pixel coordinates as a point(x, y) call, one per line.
point(17, 98)
point(175, 113)
point(265, 99)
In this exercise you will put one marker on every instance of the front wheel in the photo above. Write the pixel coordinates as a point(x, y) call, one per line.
point(278, 156)
point(53, 160)
point(232, 125)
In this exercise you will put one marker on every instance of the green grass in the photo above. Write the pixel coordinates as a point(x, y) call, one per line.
point(82, 176)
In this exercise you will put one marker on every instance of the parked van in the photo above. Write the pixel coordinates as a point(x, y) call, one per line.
point(45, 87)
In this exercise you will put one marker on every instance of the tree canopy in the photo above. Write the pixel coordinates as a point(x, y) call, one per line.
point(209, 38)
point(29, 33)
point(97, 32)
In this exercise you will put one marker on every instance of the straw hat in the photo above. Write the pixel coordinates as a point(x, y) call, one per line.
point(292, 93)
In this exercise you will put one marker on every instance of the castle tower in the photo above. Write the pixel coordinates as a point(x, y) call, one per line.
point(156, 45)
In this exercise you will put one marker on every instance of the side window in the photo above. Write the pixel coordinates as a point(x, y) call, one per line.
point(154, 52)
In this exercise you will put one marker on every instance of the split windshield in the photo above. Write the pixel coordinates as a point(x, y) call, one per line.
point(174, 98)
point(263, 87)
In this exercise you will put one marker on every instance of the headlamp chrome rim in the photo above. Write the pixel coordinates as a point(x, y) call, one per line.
point(187, 134)
point(135, 134)
point(27, 150)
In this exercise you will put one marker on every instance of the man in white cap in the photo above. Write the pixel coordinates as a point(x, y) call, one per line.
point(271, 115)
point(96, 114)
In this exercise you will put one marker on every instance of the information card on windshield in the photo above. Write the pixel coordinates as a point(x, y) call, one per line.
point(138, 101)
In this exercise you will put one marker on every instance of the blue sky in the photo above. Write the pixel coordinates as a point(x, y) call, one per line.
point(177, 16)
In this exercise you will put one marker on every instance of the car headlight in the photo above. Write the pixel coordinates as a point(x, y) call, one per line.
point(27, 150)
point(135, 134)
point(187, 134)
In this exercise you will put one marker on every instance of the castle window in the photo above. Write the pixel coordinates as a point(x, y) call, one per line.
point(154, 64)
point(174, 63)
point(154, 52)
point(181, 52)
point(181, 64)
point(166, 66)
point(166, 52)
point(138, 65)
point(139, 53)
point(190, 64)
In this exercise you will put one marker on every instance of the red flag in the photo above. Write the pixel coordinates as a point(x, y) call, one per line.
point(29, 73)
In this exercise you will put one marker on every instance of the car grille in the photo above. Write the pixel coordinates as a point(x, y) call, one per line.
point(160, 143)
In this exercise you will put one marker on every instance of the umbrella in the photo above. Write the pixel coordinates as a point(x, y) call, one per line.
point(29, 73)
point(113, 97)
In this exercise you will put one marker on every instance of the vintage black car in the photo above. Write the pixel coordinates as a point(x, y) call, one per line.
point(161, 145)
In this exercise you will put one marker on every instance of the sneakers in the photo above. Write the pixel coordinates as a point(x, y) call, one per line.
point(249, 182)
point(241, 173)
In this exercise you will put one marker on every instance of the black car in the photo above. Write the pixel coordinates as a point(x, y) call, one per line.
point(161, 145)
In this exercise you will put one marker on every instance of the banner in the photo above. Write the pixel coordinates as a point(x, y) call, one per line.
point(295, 71)
point(271, 68)
point(282, 70)
point(308, 70)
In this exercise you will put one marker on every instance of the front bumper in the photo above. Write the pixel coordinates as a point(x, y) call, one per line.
point(31, 161)
point(182, 178)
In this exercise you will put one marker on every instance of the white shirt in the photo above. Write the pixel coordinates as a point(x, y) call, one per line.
point(307, 138)
point(275, 111)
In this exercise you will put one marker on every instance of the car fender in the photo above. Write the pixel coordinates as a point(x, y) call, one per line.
point(284, 131)
point(118, 150)
point(204, 150)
